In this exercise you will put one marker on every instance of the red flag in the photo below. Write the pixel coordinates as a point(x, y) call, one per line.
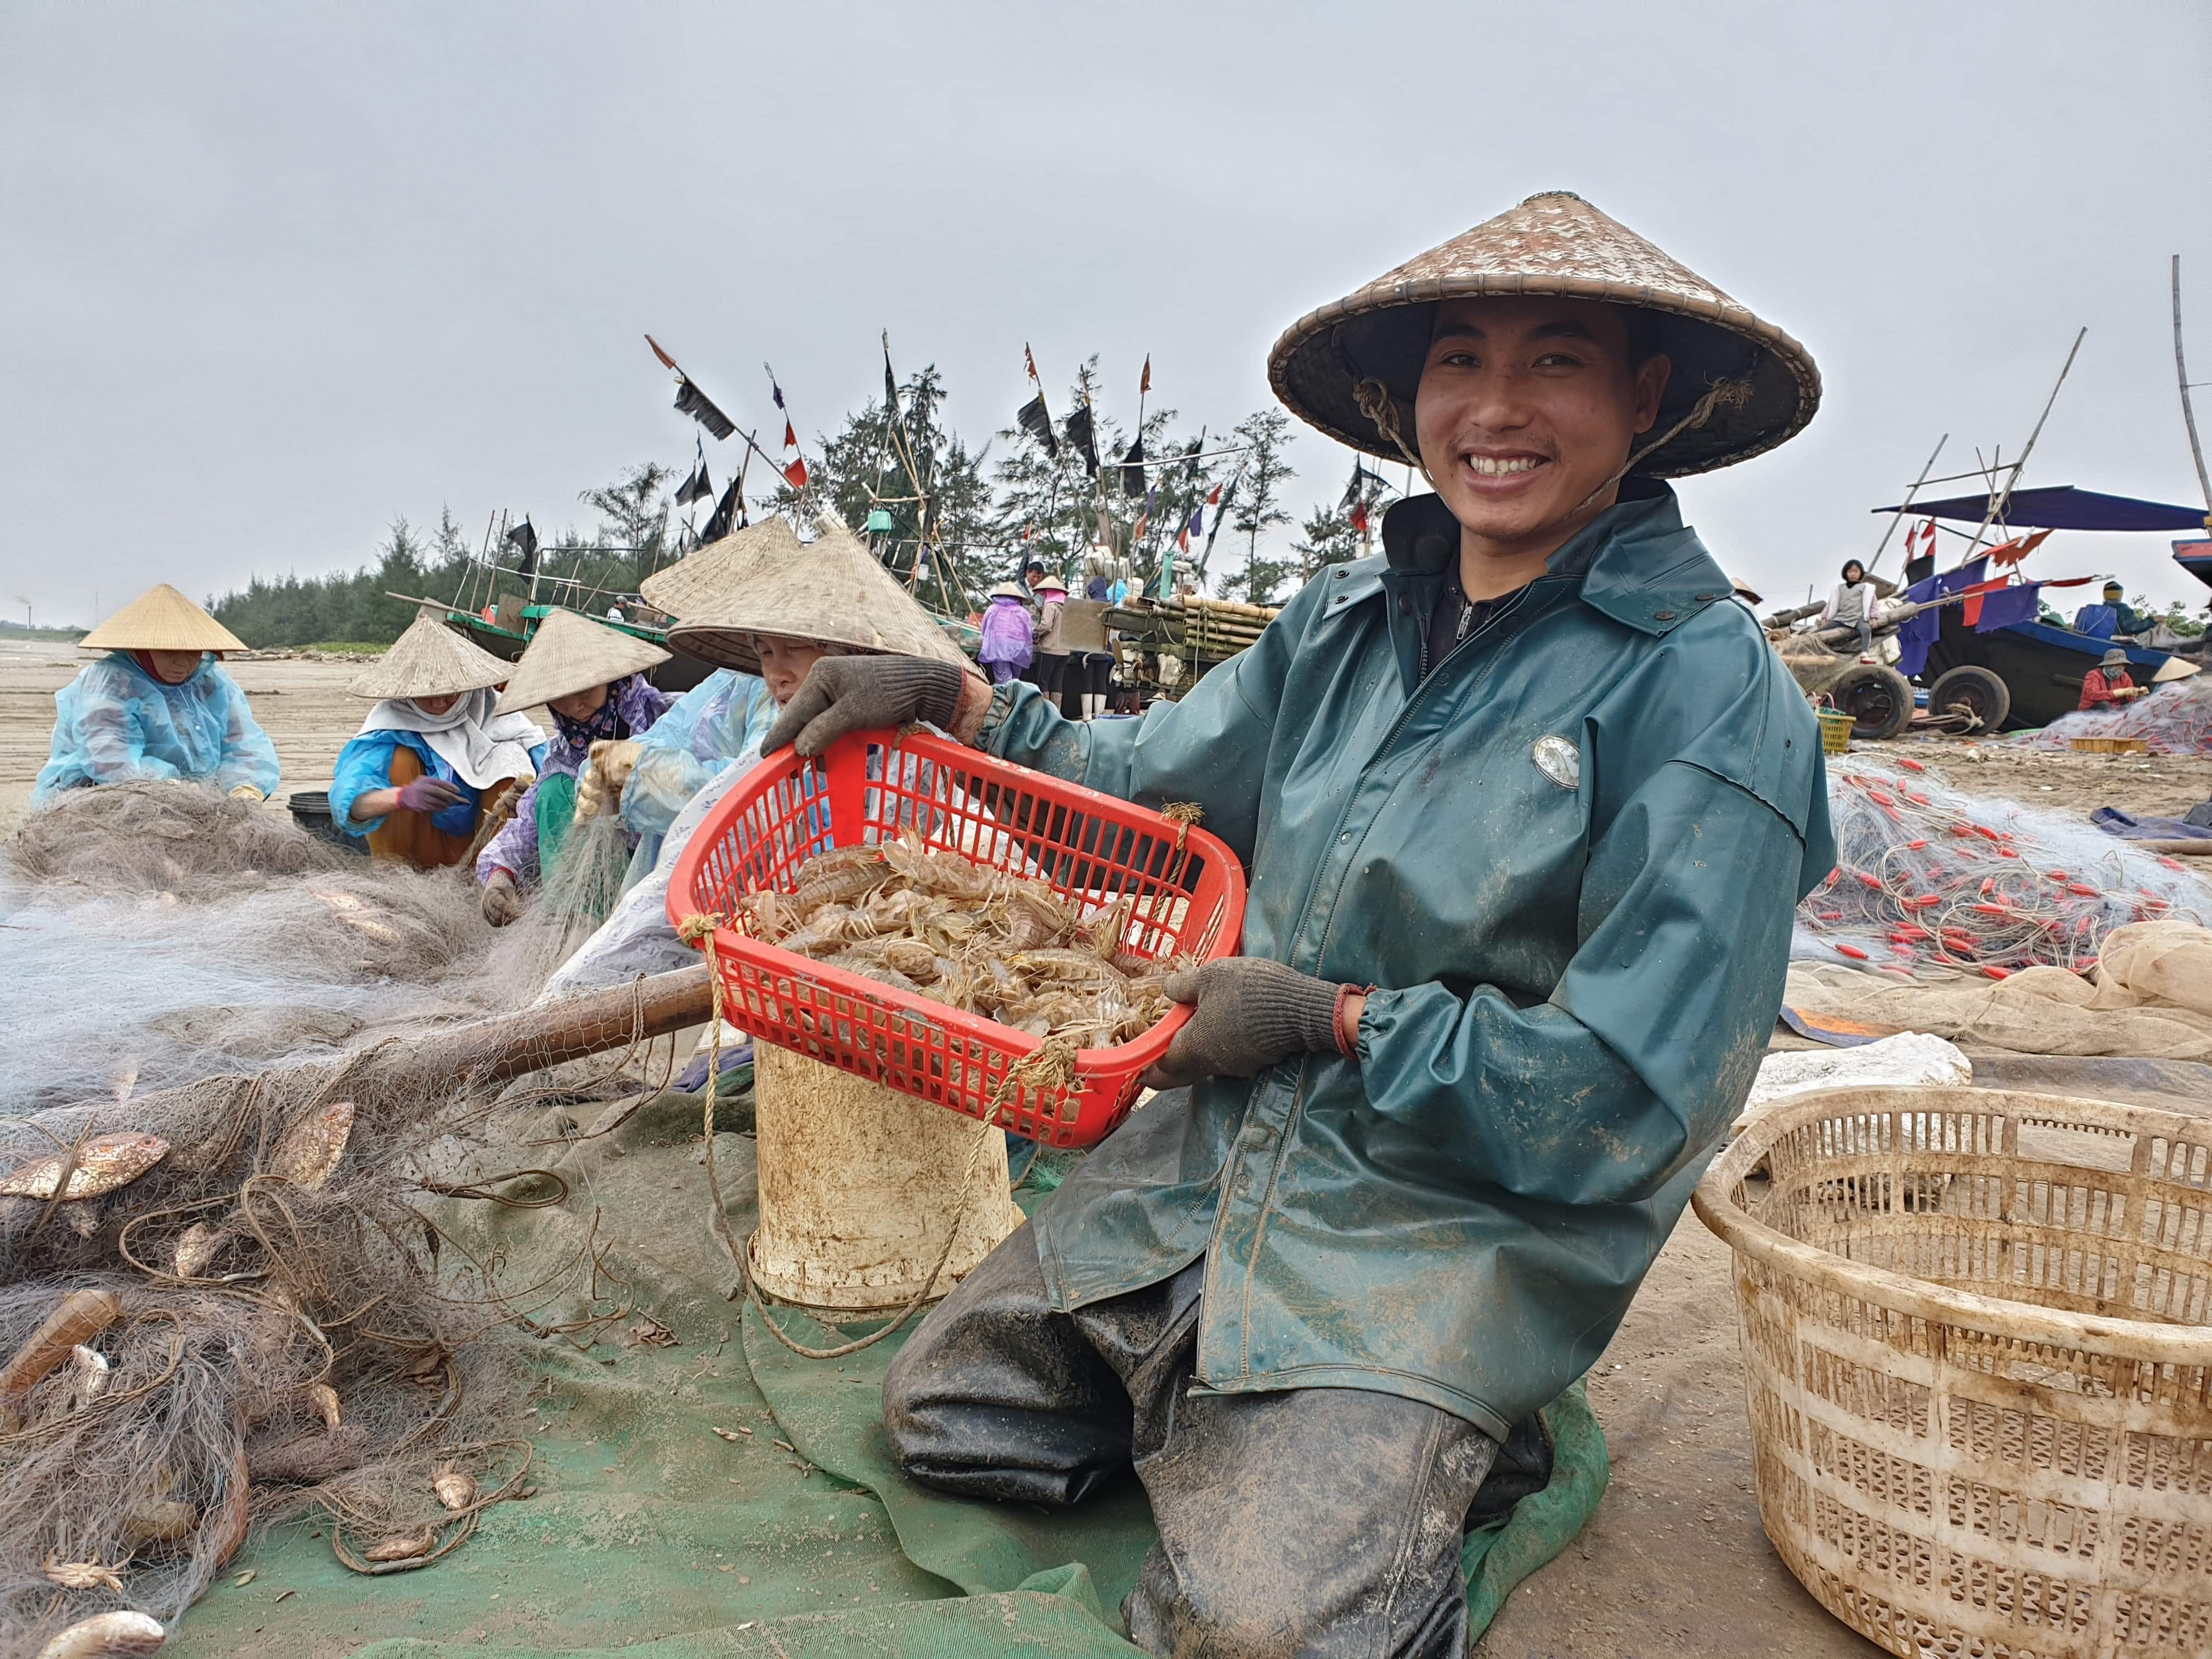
point(1029, 363)
point(1359, 517)
point(1970, 612)
point(1183, 540)
point(790, 438)
point(666, 362)
point(795, 473)
point(2014, 551)
point(1214, 500)
point(1145, 385)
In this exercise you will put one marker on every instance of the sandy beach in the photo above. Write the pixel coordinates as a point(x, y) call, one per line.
point(304, 708)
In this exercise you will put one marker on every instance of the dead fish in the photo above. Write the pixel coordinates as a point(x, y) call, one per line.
point(326, 1400)
point(165, 1521)
point(375, 929)
point(89, 1376)
point(341, 901)
point(456, 1489)
point(76, 1319)
point(402, 1546)
point(106, 1636)
point(82, 1575)
point(306, 1154)
point(100, 1166)
point(197, 1249)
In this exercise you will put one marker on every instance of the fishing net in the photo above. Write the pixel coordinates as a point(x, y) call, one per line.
point(174, 934)
point(577, 896)
point(2176, 719)
point(230, 1287)
point(1930, 882)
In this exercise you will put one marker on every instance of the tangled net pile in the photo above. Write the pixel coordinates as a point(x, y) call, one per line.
point(1930, 882)
point(236, 1299)
point(176, 935)
point(2176, 719)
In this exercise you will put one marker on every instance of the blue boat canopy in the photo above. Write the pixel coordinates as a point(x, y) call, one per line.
point(2062, 507)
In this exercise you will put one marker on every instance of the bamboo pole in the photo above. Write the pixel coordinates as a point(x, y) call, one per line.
point(1898, 517)
point(1999, 499)
point(2188, 410)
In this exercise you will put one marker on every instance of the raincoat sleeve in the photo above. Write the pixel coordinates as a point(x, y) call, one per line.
point(1209, 749)
point(514, 848)
point(1645, 1050)
point(248, 757)
point(103, 732)
point(720, 720)
point(365, 763)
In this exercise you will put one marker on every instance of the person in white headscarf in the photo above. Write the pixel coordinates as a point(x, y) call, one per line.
point(432, 757)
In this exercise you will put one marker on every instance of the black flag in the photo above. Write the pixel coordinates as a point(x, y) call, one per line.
point(1362, 482)
point(696, 488)
point(1078, 430)
point(525, 540)
point(1036, 421)
point(695, 403)
point(1133, 470)
point(725, 510)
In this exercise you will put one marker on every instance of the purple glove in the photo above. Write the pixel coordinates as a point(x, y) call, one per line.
point(429, 795)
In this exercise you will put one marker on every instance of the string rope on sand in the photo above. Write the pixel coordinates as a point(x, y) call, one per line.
point(699, 928)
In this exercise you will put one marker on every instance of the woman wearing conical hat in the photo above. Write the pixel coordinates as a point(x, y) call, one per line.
point(158, 704)
point(1007, 633)
point(432, 757)
point(1528, 804)
point(767, 608)
point(591, 678)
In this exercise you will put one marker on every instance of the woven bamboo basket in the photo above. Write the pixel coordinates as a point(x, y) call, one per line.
point(1977, 1332)
point(2109, 746)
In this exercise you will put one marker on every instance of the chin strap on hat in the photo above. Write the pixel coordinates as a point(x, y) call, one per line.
point(1376, 404)
point(1732, 393)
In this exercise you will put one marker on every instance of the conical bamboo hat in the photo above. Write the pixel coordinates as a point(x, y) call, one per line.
point(161, 619)
point(832, 589)
point(429, 660)
point(684, 586)
point(1553, 244)
point(569, 654)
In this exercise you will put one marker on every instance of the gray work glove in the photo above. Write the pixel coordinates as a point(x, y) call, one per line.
point(1251, 1013)
point(863, 694)
point(503, 900)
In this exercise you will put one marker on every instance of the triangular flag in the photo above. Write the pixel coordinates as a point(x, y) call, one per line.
point(1145, 385)
point(1213, 497)
point(790, 437)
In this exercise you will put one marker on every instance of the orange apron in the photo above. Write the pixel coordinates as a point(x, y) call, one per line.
point(411, 835)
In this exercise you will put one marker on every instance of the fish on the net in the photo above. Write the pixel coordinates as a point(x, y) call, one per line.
point(985, 941)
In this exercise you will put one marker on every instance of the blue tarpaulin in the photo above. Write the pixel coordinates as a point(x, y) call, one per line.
point(2062, 507)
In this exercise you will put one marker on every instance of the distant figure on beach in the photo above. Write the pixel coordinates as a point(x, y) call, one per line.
point(158, 704)
point(432, 759)
point(1851, 605)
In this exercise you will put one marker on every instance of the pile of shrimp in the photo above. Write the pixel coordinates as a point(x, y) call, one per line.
point(975, 939)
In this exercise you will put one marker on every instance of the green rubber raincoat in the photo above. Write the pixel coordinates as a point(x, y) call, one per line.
point(1568, 857)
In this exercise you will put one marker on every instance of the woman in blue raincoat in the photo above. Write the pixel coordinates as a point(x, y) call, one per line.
point(158, 705)
point(432, 757)
point(1528, 804)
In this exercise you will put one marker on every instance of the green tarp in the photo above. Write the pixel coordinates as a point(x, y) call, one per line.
point(789, 1534)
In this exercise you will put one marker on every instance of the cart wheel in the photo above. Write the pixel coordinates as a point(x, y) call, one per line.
point(1974, 690)
point(1878, 699)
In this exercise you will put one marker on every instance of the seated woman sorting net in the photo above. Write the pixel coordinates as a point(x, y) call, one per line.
point(591, 678)
point(432, 757)
point(157, 705)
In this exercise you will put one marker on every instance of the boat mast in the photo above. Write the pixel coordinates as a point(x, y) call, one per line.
point(1999, 500)
point(1898, 517)
point(2188, 413)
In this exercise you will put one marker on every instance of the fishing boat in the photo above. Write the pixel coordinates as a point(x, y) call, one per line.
point(2017, 671)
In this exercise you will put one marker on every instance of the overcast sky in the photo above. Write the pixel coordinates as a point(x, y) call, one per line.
point(271, 276)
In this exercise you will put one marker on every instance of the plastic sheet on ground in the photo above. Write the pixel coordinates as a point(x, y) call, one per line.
point(2176, 719)
point(2150, 997)
point(670, 1521)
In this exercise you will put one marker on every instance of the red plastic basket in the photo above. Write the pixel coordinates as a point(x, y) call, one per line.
point(1093, 850)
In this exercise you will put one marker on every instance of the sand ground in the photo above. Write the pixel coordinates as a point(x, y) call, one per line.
point(1675, 1565)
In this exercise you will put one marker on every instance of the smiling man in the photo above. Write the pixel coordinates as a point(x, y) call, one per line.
point(1527, 804)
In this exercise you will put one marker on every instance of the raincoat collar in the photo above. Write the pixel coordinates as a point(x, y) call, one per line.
point(1638, 563)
